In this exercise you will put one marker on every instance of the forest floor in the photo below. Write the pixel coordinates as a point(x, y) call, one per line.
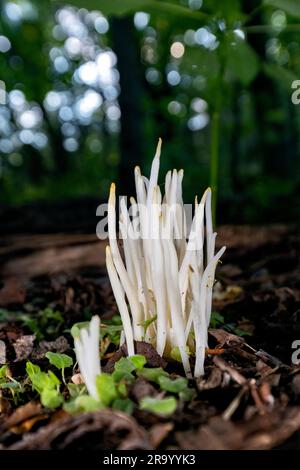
point(249, 397)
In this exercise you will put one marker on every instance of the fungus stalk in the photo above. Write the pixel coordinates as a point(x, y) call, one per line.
point(163, 284)
point(88, 356)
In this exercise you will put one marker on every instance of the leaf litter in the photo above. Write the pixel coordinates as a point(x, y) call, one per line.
point(249, 397)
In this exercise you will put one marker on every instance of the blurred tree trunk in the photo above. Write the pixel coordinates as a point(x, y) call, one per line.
point(276, 147)
point(34, 162)
point(234, 159)
point(127, 50)
point(60, 156)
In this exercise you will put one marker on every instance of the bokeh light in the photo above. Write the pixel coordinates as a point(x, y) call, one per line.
point(177, 49)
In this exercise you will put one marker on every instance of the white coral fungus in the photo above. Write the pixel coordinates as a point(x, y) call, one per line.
point(163, 287)
point(88, 355)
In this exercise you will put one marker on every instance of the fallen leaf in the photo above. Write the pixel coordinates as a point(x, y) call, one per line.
point(27, 425)
point(5, 406)
point(106, 429)
point(60, 345)
point(265, 393)
point(213, 380)
point(230, 294)
point(216, 435)
point(21, 414)
point(12, 292)
point(2, 352)
point(296, 384)
point(23, 347)
point(145, 349)
point(159, 432)
point(233, 372)
point(141, 389)
point(224, 338)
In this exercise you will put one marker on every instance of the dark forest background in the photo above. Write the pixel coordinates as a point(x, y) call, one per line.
point(91, 85)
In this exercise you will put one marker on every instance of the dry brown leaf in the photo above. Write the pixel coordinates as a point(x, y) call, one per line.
point(234, 373)
point(224, 338)
point(21, 414)
point(60, 345)
point(213, 380)
point(106, 429)
point(12, 292)
point(159, 432)
point(23, 347)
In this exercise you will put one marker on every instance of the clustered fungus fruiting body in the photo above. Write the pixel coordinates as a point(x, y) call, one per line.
point(163, 286)
point(88, 355)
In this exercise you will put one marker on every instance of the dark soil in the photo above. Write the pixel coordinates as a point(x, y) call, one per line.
point(249, 397)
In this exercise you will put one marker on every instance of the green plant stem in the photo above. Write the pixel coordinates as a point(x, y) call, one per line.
point(214, 159)
point(268, 28)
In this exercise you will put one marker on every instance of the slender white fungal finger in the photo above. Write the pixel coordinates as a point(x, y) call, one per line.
point(154, 173)
point(175, 303)
point(120, 268)
point(120, 299)
point(209, 226)
point(88, 356)
point(200, 321)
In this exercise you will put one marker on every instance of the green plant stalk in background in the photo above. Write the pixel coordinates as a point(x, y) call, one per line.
point(214, 160)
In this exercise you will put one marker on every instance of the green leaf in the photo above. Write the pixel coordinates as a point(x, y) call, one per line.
point(242, 61)
point(50, 314)
point(138, 361)
point(175, 353)
point(41, 380)
point(187, 394)
point(146, 323)
point(75, 390)
point(75, 330)
point(70, 407)
point(292, 7)
point(123, 369)
point(87, 403)
point(3, 372)
point(125, 7)
point(173, 386)
point(201, 61)
point(122, 389)
point(32, 324)
point(32, 369)
point(123, 404)
point(160, 406)
point(51, 398)
point(53, 380)
point(82, 403)
point(124, 365)
point(11, 385)
point(113, 332)
point(241, 333)
point(106, 388)
point(216, 320)
point(5, 315)
point(50, 320)
point(152, 374)
point(282, 75)
point(119, 375)
point(59, 360)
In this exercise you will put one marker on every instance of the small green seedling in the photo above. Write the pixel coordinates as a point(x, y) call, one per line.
point(8, 382)
point(46, 384)
point(153, 374)
point(60, 361)
point(159, 406)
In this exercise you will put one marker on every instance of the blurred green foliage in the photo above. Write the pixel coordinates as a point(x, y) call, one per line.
point(212, 78)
